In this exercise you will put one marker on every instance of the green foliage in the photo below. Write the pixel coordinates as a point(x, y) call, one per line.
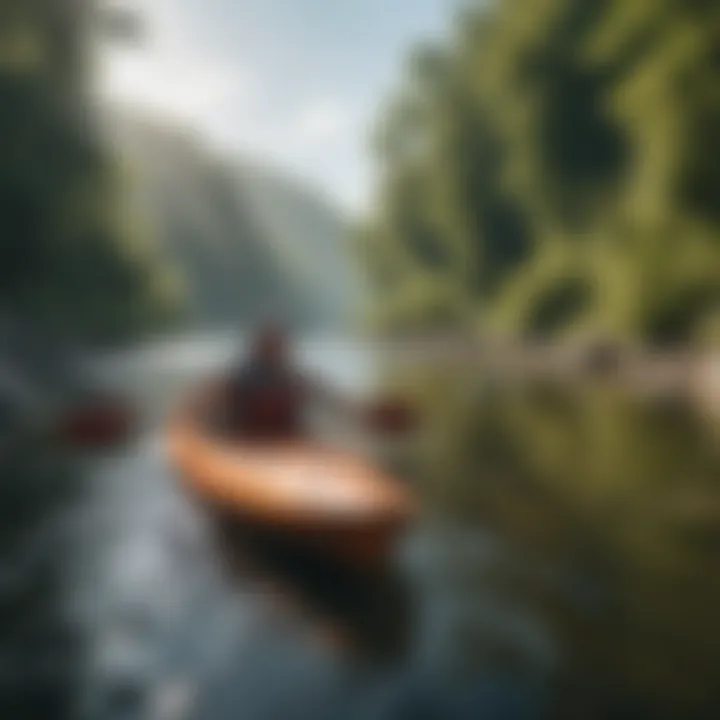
point(70, 257)
point(556, 161)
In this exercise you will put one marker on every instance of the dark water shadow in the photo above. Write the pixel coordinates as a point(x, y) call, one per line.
point(365, 614)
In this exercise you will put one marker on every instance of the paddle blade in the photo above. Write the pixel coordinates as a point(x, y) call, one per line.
point(98, 424)
point(392, 416)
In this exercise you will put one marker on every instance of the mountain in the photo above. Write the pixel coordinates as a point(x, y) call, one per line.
point(308, 236)
point(244, 240)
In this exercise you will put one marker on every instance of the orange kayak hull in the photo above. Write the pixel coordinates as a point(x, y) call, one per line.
point(332, 503)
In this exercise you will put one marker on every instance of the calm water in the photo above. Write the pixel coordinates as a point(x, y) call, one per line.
point(565, 566)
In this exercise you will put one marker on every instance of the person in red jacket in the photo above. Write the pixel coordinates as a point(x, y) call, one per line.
point(267, 395)
point(267, 398)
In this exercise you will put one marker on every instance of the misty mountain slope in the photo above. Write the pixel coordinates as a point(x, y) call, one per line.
point(307, 234)
point(245, 241)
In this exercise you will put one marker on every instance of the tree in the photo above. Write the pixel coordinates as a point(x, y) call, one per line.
point(71, 260)
point(565, 143)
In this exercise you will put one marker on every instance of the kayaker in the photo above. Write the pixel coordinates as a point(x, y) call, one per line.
point(267, 395)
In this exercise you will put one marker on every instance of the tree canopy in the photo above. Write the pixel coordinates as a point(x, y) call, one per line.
point(72, 257)
point(551, 169)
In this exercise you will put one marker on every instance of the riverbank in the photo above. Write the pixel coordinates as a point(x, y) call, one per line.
point(678, 370)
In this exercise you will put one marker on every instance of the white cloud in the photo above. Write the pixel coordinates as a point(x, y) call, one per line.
point(167, 76)
point(175, 86)
point(173, 76)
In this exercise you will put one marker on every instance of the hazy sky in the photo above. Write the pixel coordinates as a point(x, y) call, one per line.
point(294, 81)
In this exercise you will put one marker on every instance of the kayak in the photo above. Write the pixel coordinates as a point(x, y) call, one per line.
point(333, 503)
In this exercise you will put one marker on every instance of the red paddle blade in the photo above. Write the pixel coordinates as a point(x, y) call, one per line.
point(392, 416)
point(99, 424)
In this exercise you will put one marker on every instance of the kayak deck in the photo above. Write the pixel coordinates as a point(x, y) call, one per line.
point(328, 499)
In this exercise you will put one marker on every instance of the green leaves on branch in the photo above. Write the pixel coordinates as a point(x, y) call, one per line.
point(556, 162)
point(72, 257)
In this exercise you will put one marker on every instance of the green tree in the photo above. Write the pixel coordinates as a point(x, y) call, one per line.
point(560, 157)
point(70, 259)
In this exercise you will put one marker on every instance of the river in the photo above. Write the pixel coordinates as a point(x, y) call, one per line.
point(565, 565)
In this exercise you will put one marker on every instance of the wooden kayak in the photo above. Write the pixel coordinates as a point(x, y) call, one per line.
point(333, 503)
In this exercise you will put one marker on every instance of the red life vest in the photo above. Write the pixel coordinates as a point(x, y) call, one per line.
point(269, 407)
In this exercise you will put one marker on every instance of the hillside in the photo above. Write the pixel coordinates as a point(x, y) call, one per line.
point(244, 241)
point(307, 235)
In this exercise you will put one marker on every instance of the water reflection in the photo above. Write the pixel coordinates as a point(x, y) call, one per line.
point(195, 618)
point(39, 648)
point(362, 617)
point(564, 566)
point(611, 502)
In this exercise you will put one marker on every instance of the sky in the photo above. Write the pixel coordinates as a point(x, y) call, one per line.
point(296, 83)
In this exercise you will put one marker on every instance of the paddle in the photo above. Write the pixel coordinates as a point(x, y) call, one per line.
point(98, 423)
point(391, 415)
